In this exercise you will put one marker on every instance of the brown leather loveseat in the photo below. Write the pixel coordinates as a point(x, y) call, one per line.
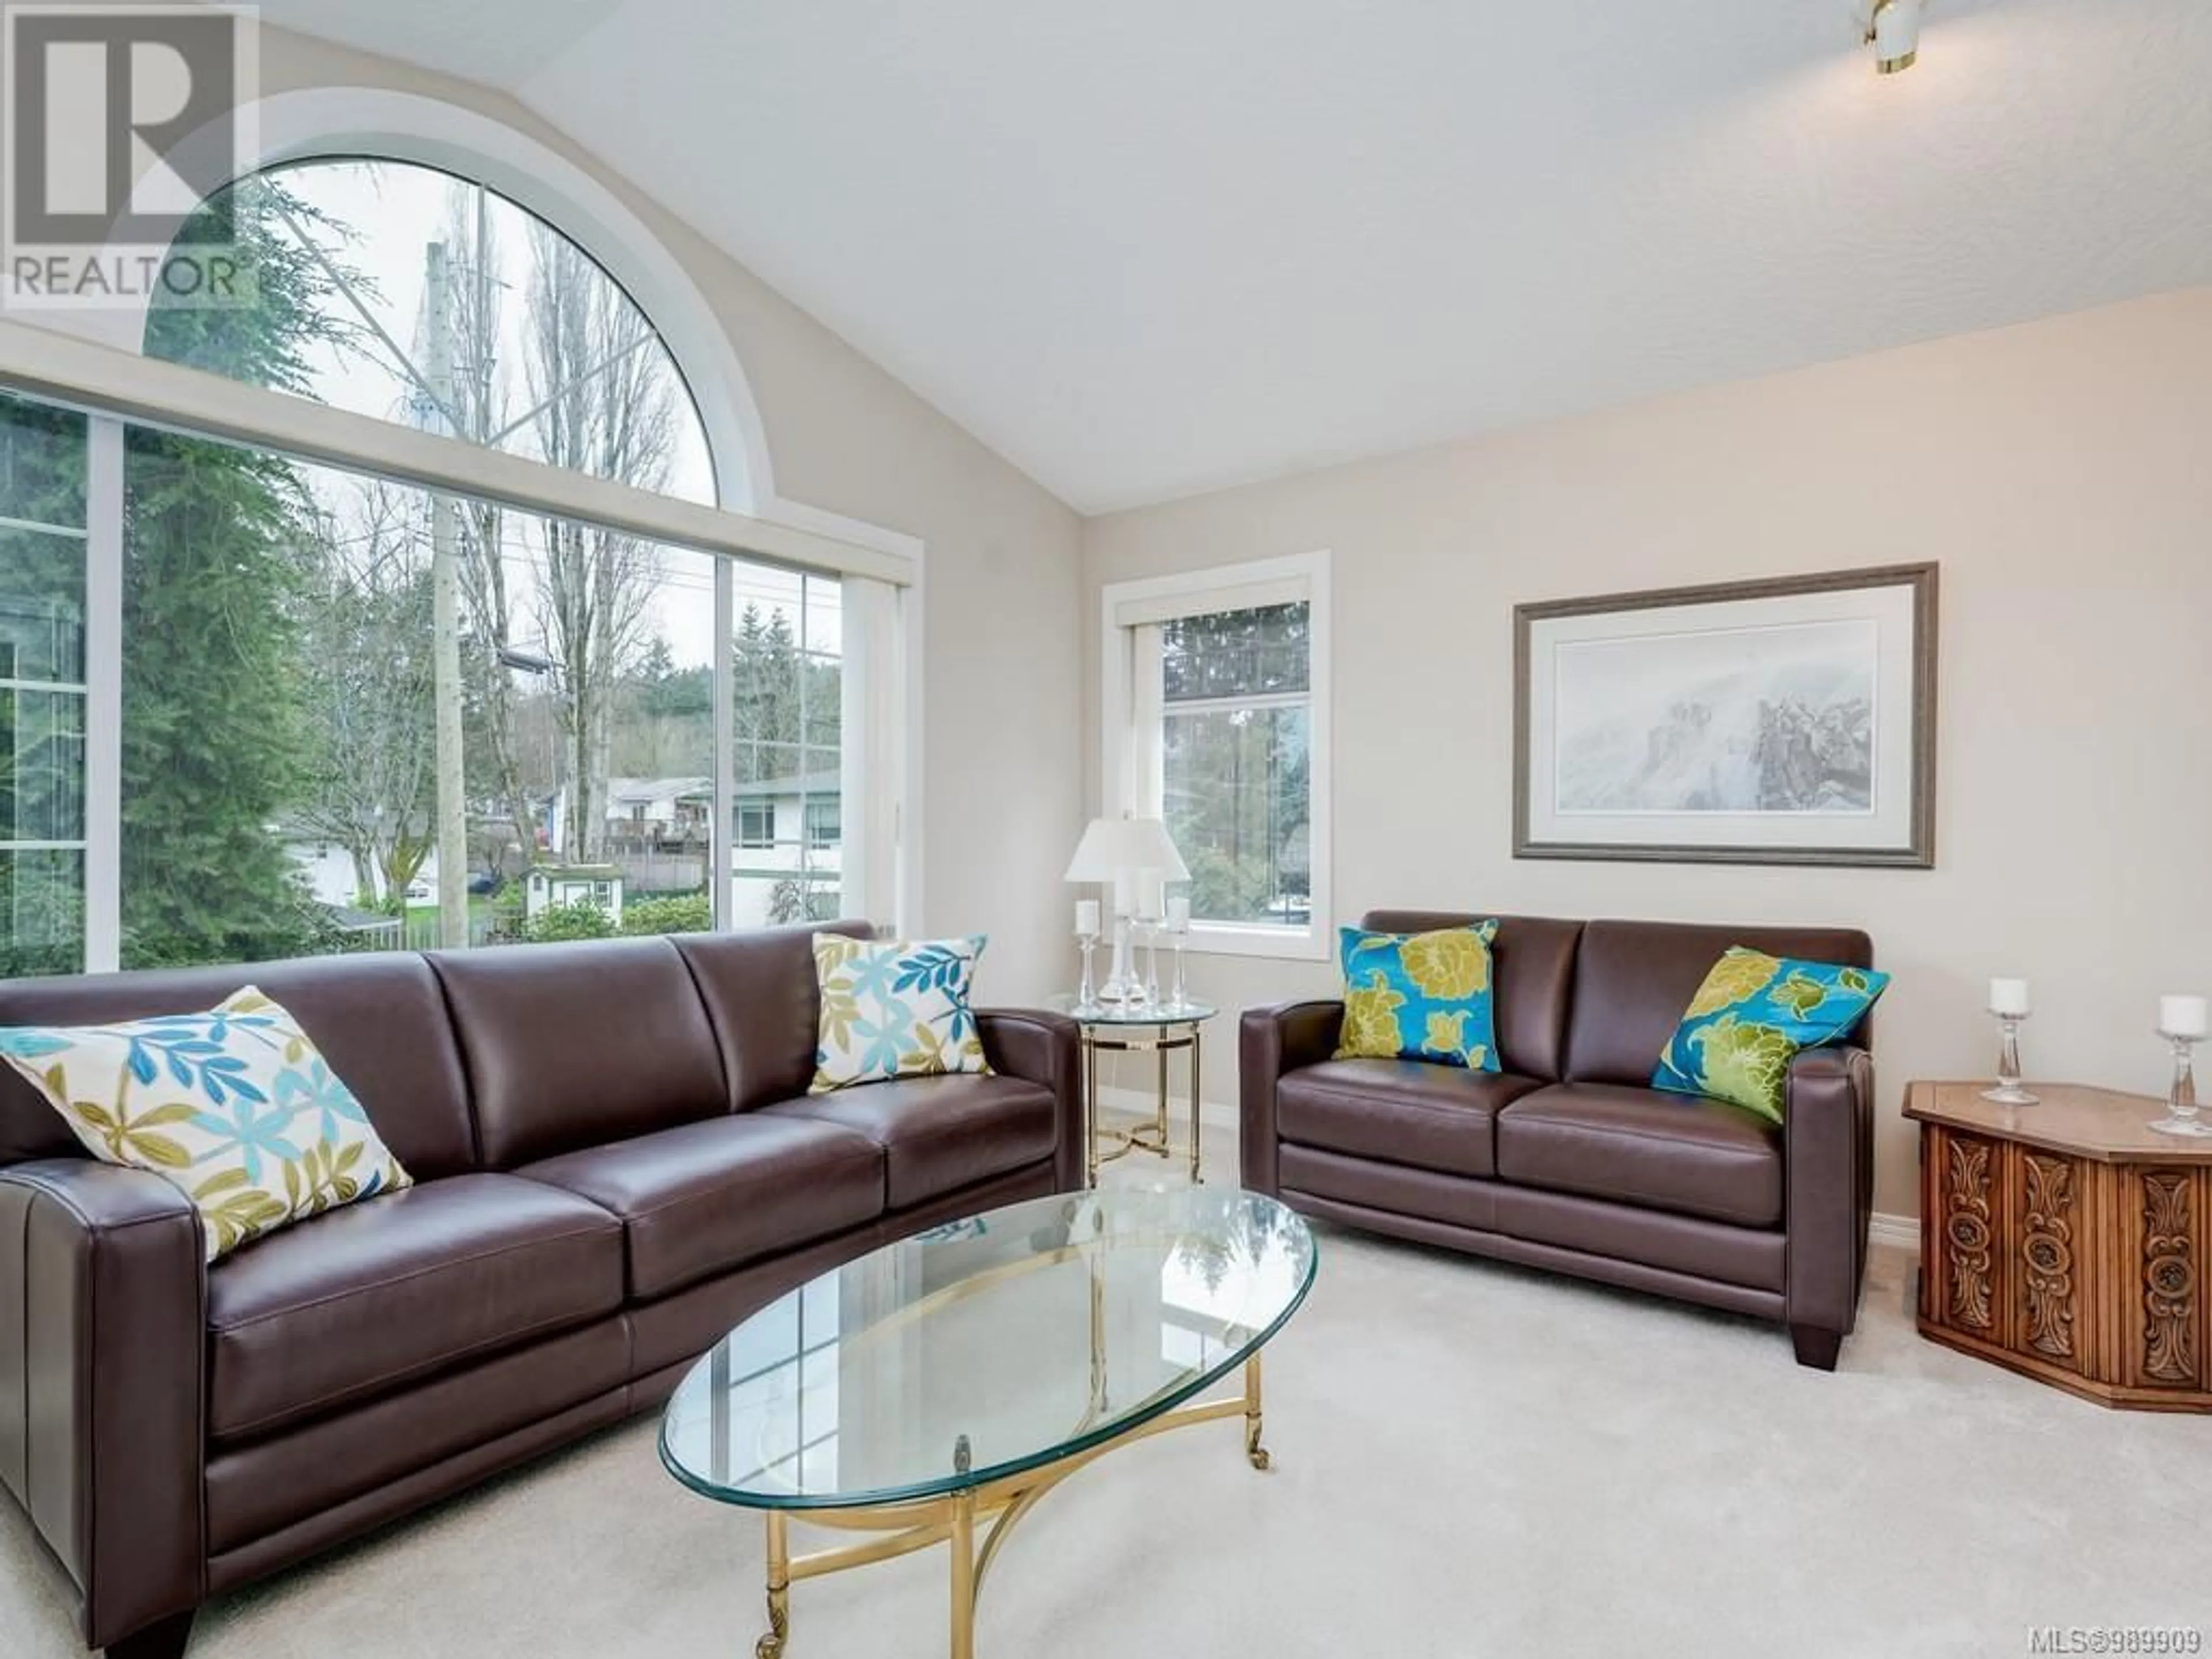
point(1566, 1159)
point(617, 1160)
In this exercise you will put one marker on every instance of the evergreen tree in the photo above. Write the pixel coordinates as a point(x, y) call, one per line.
point(219, 546)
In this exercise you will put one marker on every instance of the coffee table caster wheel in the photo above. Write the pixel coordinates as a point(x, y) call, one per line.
point(1259, 1459)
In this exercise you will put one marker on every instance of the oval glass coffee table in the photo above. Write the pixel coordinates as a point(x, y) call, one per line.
point(958, 1376)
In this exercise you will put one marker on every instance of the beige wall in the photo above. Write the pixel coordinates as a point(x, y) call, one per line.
point(2062, 473)
point(1001, 701)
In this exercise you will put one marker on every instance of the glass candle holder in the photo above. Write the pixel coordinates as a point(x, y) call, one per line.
point(2181, 1110)
point(1086, 994)
point(2009, 1091)
point(1178, 989)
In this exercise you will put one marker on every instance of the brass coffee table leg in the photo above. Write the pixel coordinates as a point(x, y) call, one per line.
point(1193, 1105)
point(770, 1646)
point(1254, 1452)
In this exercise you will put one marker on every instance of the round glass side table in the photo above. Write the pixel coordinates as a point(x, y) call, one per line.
point(1157, 1029)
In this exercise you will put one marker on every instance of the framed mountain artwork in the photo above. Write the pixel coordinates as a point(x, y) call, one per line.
point(1790, 721)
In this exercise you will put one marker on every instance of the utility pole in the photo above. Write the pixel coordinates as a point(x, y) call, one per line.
point(446, 625)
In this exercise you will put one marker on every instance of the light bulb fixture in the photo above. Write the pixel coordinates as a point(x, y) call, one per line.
point(1893, 32)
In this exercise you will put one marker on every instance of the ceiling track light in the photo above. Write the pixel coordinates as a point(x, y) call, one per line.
point(1893, 31)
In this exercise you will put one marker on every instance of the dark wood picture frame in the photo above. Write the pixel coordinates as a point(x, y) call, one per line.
point(1919, 854)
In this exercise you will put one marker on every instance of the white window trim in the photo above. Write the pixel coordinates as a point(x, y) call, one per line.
point(1125, 744)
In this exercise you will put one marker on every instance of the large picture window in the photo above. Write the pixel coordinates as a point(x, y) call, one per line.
point(1216, 720)
point(42, 689)
point(349, 713)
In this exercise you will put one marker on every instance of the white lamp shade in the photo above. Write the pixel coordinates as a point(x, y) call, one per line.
point(1115, 848)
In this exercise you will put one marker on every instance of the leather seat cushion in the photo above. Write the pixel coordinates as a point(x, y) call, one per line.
point(1402, 1111)
point(1638, 1147)
point(365, 1300)
point(700, 1201)
point(938, 1134)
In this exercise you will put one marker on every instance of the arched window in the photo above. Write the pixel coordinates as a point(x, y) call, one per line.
point(403, 292)
point(357, 712)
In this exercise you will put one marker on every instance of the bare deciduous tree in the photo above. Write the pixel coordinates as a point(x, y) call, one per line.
point(605, 403)
point(366, 644)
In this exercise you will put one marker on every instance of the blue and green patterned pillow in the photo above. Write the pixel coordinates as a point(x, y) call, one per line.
point(1754, 1015)
point(895, 1008)
point(235, 1108)
point(1418, 996)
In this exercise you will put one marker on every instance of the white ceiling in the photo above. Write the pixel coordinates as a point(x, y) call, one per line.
point(1151, 246)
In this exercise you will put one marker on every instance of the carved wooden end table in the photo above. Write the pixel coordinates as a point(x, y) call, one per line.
point(2067, 1241)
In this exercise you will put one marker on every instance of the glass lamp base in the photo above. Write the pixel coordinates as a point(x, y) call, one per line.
point(2011, 1094)
point(2188, 1128)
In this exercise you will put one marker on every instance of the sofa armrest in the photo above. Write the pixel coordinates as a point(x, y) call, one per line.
point(1043, 1047)
point(1269, 1042)
point(1828, 1163)
point(103, 1282)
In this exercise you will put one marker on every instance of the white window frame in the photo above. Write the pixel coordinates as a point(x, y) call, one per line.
point(1130, 722)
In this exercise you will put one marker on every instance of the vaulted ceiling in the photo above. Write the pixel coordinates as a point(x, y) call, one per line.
point(1150, 247)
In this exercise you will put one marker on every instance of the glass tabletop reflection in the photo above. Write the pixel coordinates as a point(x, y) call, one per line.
point(986, 1347)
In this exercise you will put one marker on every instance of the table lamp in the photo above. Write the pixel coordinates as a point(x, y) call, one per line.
point(1133, 855)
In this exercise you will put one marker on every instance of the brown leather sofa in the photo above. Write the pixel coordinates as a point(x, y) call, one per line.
point(617, 1161)
point(1566, 1159)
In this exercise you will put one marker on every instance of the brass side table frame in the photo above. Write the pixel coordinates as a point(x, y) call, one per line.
point(952, 1520)
point(1159, 1032)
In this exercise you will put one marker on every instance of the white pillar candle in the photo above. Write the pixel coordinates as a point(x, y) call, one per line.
point(1149, 887)
point(1179, 912)
point(1125, 892)
point(2182, 1016)
point(2008, 996)
point(1086, 918)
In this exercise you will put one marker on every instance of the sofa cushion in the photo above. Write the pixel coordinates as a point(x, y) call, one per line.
point(759, 989)
point(1638, 1147)
point(1633, 980)
point(577, 1045)
point(1431, 1117)
point(363, 1302)
point(707, 1198)
point(939, 1133)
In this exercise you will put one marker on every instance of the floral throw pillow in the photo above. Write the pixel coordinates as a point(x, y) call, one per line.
point(1420, 996)
point(893, 1009)
point(1754, 1015)
point(235, 1108)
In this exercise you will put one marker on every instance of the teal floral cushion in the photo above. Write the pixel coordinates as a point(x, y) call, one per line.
point(235, 1108)
point(1418, 996)
point(1754, 1015)
point(893, 1009)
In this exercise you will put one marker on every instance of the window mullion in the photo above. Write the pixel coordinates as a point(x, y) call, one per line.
point(103, 784)
point(721, 823)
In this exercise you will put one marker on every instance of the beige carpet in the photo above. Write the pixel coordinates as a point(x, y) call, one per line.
point(1471, 1460)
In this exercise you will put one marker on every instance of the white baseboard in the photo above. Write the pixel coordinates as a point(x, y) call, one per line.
point(1902, 1230)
